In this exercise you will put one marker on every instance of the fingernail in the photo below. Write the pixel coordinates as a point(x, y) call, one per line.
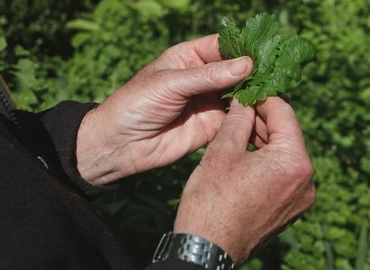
point(239, 66)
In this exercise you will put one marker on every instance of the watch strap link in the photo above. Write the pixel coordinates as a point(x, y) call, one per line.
point(194, 249)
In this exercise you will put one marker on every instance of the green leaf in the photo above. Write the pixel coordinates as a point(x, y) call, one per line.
point(363, 247)
point(80, 24)
point(176, 4)
point(3, 43)
point(254, 264)
point(230, 42)
point(25, 73)
point(149, 9)
point(79, 39)
point(20, 51)
point(25, 97)
point(329, 253)
point(277, 62)
point(25, 65)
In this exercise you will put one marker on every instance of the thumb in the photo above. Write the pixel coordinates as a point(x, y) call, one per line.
point(236, 129)
point(212, 76)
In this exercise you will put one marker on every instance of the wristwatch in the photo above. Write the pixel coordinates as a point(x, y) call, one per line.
point(193, 249)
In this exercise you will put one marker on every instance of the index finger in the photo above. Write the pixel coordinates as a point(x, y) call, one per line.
point(281, 122)
point(205, 49)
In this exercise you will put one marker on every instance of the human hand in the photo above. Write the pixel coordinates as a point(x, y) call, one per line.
point(239, 199)
point(169, 109)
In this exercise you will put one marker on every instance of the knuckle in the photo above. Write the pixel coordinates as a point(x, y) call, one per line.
point(302, 169)
point(242, 114)
point(311, 196)
point(189, 57)
point(306, 169)
point(217, 157)
point(308, 198)
point(296, 169)
point(302, 178)
point(210, 75)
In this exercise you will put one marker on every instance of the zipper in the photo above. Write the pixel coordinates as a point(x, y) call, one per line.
point(4, 130)
point(8, 134)
point(8, 107)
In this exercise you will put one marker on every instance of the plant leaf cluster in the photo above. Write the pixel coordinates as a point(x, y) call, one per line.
point(277, 60)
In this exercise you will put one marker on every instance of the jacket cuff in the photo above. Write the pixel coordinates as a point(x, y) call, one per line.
point(62, 123)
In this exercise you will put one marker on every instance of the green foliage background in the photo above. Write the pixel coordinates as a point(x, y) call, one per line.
point(83, 50)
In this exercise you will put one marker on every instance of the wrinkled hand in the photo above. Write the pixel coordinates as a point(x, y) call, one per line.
point(169, 109)
point(239, 199)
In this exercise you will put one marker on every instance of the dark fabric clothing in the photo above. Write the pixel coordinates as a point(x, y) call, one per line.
point(46, 221)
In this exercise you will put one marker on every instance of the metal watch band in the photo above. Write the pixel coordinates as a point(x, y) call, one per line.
point(194, 249)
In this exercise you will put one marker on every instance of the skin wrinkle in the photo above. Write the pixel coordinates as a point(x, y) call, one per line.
point(210, 134)
point(159, 147)
point(170, 92)
point(93, 159)
point(292, 163)
point(185, 144)
point(137, 113)
point(242, 116)
point(96, 161)
point(211, 76)
point(187, 129)
point(190, 59)
point(164, 61)
point(159, 161)
point(140, 123)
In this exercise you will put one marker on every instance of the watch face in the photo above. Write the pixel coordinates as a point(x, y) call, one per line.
point(194, 249)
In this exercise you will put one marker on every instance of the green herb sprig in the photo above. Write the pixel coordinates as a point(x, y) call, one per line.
point(277, 60)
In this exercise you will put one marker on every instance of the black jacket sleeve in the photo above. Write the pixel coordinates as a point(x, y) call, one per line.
point(51, 136)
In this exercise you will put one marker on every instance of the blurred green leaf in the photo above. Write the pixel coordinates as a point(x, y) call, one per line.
point(363, 246)
point(176, 4)
point(79, 39)
point(80, 24)
point(149, 8)
point(20, 51)
point(2, 43)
